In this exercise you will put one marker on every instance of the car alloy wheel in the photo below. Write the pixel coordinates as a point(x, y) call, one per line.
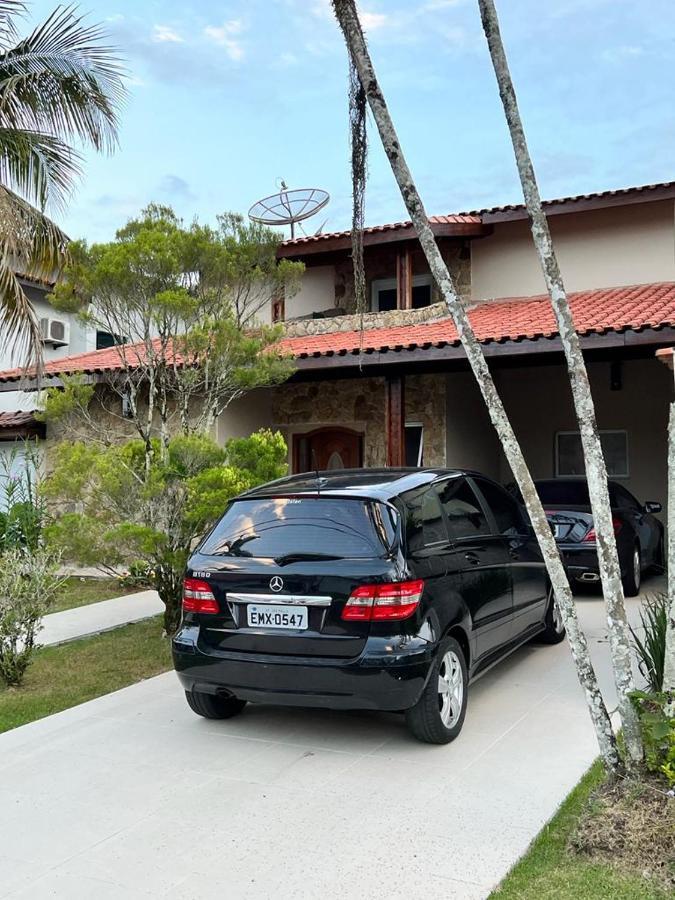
point(637, 568)
point(450, 689)
point(556, 618)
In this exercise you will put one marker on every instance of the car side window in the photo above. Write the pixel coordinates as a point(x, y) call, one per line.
point(462, 508)
point(424, 523)
point(506, 511)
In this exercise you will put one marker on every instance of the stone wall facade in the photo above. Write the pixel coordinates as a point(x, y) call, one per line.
point(359, 404)
point(352, 321)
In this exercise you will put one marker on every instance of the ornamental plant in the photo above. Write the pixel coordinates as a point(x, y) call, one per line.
point(29, 582)
point(111, 510)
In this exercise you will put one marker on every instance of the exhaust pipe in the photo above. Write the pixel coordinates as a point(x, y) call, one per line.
point(592, 577)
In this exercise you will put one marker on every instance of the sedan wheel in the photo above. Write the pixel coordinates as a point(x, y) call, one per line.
point(438, 715)
point(633, 577)
point(554, 627)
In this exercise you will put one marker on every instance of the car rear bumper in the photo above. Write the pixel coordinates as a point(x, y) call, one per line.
point(384, 677)
point(582, 562)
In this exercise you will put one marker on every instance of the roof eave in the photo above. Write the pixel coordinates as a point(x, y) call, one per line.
point(343, 242)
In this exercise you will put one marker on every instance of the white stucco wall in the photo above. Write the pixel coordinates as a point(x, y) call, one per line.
point(317, 292)
point(80, 340)
point(471, 441)
point(538, 402)
point(246, 415)
point(603, 248)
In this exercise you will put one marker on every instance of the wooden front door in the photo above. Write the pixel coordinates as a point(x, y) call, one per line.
point(327, 448)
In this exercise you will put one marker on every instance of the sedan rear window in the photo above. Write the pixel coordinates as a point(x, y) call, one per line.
point(308, 527)
point(560, 493)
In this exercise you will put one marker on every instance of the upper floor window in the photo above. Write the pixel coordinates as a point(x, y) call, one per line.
point(105, 339)
point(383, 293)
point(569, 458)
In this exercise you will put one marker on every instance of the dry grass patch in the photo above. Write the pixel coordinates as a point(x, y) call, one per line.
point(631, 826)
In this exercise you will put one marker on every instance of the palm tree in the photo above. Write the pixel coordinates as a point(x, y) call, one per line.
point(59, 85)
point(363, 69)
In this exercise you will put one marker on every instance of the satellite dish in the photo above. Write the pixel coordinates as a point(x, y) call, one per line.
point(288, 207)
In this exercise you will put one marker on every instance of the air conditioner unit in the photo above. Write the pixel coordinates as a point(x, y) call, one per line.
point(54, 332)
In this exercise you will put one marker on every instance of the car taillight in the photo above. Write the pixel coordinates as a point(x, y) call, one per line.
point(591, 537)
point(198, 596)
point(395, 600)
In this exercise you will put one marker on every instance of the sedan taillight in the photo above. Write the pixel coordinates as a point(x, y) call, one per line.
point(198, 596)
point(591, 536)
point(375, 602)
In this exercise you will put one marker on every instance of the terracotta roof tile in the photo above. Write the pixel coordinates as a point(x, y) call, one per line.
point(595, 311)
point(90, 363)
point(512, 319)
point(16, 419)
point(460, 219)
point(575, 198)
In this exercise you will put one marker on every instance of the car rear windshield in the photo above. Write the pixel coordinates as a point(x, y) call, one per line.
point(279, 527)
point(563, 493)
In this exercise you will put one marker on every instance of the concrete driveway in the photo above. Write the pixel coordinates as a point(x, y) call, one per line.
point(131, 795)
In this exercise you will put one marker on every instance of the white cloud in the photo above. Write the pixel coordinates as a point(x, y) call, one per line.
point(225, 36)
point(288, 59)
point(372, 20)
point(162, 34)
point(616, 54)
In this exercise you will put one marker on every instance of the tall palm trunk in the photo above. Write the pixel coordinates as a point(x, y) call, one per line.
point(345, 11)
point(596, 471)
point(669, 660)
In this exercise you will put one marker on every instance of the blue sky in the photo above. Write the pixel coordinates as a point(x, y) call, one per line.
point(228, 96)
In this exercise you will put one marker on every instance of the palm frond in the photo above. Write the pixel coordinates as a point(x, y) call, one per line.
point(38, 166)
point(30, 243)
point(65, 80)
point(8, 10)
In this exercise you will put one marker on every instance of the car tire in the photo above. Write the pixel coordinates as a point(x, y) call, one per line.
point(213, 706)
point(633, 578)
point(554, 630)
point(438, 715)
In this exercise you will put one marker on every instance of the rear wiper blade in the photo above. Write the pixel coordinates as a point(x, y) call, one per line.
point(302, 557)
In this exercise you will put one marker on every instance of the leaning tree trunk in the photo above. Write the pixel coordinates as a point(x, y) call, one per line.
point(347, 16)
point(669, 659)
point(596, 471)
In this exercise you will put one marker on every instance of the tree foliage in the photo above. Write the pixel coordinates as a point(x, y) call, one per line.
point(183, 305)
point(113, 511)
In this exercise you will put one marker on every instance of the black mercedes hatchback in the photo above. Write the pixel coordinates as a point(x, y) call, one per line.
point(382, 589)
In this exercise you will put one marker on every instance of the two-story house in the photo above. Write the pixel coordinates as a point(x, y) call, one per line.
point(399, 392)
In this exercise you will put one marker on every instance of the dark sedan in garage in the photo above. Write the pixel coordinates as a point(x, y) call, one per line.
point(639, 534)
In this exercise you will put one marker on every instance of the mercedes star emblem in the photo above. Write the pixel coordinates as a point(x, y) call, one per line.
point(276, 583)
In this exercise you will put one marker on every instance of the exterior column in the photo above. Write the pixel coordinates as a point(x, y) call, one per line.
point(395, 400)
point(404, 279)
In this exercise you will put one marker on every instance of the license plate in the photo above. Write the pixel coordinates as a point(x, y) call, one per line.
point(291, 618)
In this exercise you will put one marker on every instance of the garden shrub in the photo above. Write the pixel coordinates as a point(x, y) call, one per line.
point(29, 582)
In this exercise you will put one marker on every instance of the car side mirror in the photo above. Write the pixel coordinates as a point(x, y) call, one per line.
point(652, 506)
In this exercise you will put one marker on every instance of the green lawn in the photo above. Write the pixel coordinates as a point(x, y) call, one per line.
point(550, 872)
point(63, 676)
point(82, 591)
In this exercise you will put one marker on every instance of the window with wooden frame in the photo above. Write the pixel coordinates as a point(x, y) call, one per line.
point(383, 293)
